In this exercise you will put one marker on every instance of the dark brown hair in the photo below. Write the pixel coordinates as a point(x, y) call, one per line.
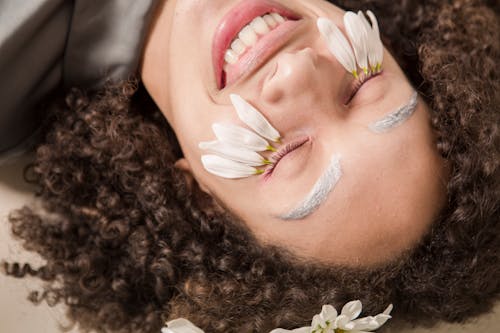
point(128, 246)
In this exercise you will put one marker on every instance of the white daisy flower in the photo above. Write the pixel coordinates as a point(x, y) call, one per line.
point(227, 168)
point(337, 44)
point(377, 46)
point(254, 119)
point(241, 137)
point(358, 35)
point(234, 153)
point(180, 326)
point(328, 321)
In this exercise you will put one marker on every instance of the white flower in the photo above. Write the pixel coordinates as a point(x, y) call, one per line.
point(254, 119)
point(297, 330)
point(375, 46)
point(337, 44)
point(226, 168)
point(180, 326)
point(328, 321)
point(325, 320)
point(241, 137)
point(234, 153)
point(358, 35)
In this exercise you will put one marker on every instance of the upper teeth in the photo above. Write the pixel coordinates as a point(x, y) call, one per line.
point(250, 34)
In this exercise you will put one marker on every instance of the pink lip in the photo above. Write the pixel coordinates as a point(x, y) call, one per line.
point(232, 23)
point(282, 153)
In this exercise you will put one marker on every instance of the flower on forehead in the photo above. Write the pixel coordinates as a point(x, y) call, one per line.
point(364, 37)
point(254, 119)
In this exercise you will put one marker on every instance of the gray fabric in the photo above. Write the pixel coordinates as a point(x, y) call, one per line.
point(46, 44)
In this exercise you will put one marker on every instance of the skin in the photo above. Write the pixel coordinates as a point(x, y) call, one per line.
point(392, 185)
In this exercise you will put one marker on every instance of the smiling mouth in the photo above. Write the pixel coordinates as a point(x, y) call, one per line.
point(247, 35)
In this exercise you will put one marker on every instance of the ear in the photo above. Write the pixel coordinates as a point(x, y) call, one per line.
point(183, 165)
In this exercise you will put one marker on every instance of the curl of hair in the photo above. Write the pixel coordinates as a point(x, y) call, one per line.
point(130, 246)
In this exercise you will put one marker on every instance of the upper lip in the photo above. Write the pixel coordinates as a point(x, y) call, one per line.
point(232, 23)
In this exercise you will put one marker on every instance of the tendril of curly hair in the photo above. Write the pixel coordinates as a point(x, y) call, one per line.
point(128, 245)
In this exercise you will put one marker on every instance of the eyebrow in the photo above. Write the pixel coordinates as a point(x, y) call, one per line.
point(323, 186)
point(397, 117)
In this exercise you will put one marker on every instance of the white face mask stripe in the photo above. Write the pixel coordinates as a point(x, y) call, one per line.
point(319, 192)
point(397, 117)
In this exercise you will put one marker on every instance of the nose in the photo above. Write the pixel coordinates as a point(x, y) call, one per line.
point(293, 73)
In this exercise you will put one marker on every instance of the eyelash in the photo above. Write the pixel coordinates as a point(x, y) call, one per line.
point(358, 83)
point(278, 156)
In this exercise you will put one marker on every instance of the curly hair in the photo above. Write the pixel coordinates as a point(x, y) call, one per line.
point(129, 245)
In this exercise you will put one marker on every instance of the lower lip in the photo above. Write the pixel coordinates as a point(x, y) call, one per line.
point(261, 51)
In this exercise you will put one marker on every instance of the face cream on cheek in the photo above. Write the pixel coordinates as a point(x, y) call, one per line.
point(397, 117)
point(319, 192)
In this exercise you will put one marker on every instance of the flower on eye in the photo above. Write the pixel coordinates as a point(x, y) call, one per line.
point(241, 137)
point(375, 46)
point(338, 44)
point(364, 37)
point(227, 168)
point(234, 153)
point(254, 119)
point(359, 39)
point(236, 148)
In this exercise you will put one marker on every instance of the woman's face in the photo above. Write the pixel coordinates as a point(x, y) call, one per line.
point(390, 185)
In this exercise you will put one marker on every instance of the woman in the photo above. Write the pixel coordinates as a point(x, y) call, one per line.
point(147, 229)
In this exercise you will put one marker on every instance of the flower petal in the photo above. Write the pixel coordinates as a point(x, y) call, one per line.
point(239, 136)
point(226, 168)
point(352, 309)
point(254, 119)
point(342, 322)
point(328, 313)
point(337, 44)
point(180, 325)
point(371, 44)
point(359, 38)
point(306, 329)
point(377, 42)
point(234, 153)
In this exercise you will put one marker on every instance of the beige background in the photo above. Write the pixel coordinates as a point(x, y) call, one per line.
point(18, 315)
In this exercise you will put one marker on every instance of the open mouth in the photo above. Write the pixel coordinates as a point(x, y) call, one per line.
point(244, 34)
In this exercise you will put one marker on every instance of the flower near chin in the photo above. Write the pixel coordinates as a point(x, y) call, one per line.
point(365, 49)
point(180, 326)
point(328, 321)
